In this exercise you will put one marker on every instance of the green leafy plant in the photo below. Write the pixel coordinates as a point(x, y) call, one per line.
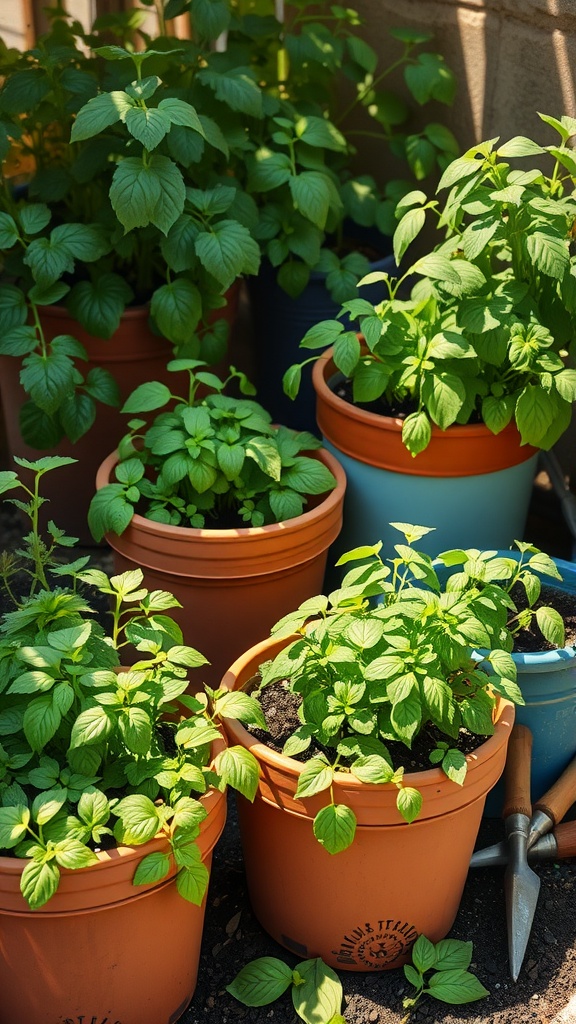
point(207, 459)
point(482, 337)
point(315, 987)
point(300, 168)
point(93, 754)
point(441, 971)
point(128, 200)
point(406, 650)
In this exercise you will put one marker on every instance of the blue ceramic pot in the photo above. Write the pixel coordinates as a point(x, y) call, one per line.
point(547, 680)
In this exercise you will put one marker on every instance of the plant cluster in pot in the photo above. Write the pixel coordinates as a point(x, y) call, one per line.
point(545, 661)
point(363, 690)
point(112, 788)
point(131, 235)
point(448, 396)
point(322, 225)
point(231, 513)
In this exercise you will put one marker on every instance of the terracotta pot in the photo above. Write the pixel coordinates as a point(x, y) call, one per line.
point(233, 585)
point(471, 485)
point(362, 909)
point(103, 949)
point(134, 355)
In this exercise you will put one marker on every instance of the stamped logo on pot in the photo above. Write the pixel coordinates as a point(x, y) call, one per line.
point(376, 944)
point(87, 1018)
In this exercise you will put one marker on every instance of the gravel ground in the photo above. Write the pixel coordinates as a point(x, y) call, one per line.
point(543, 993)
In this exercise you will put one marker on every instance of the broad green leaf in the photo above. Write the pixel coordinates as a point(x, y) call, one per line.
point(181, 113)
point(177, 309)
point(416, 432)
point(147, 397)
point(152, 869)
point(48, 260)
point(239, 769)
point(192, 882)
point(147, 194)
point(317, 131)
point(41, 720)
point(453, 954)
point(334, 826)
point(308, 476)
point(315, 776)
point(372, 769)
point(236, 88)
point(240, 706)
point(149, 126)
point(92, 726)
point(311, 194)
point(13, 824)
point(549, 252)
point(72, 854)
point(178, 246)
point(456, 987)
point(318, 1000)
point(519, 146)
point(99, 113)
point(227, 250)
point(322, 334)
point(423, 954)
point(261, 982)
point(39, 882)
point(455, 766)
point(109, 511)
point(98, 304)
point(210, 17)
point(8, 231)
point(408, 229)
point(409, 803)
point(139, 819)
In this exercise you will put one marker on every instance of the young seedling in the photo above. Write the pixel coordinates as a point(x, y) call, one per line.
point(441, 970)
point(316, 988)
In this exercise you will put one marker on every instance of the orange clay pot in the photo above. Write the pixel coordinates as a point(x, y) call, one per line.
point(362, 909)
point(102, 949)
point(233, 585)
point(471, 485)
point(134, 355)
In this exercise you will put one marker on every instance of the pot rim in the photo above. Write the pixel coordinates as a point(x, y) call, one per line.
point(328, 502)
point(267, 755)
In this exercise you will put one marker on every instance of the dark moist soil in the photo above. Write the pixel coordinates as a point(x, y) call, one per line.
point(233, 937)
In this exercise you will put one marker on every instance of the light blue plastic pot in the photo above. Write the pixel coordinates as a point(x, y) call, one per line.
point(548, 683)
point(472, 486)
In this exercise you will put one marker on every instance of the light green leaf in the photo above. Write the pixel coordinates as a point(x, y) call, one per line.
point(39, 882)
point(261, 982)
point(238, 768)
point(423, 954)
point(192, 882)
point(152, 868)
point(139, 819)
point(315, 776)
point(456, 987)
point(99, 113)
point(409, 803)
point(318, 1000)
point(334, 826)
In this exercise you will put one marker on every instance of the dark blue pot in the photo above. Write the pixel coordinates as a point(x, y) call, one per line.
point(280, 322)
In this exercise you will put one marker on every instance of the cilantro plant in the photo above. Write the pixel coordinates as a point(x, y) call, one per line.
point(299, 169)
point(484, 334)
point(205, 458)
point(441, 971)
point(93, 755)
point(406, 649)
point(128, 200)
point(316, 989)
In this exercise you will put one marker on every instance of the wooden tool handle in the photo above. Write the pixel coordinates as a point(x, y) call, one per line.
point(560, 796)
point(517, 772)
point(565, 836)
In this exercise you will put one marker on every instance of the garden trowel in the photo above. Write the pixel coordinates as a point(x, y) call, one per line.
point(521, 883)
point(556, 845)
point(547, 812)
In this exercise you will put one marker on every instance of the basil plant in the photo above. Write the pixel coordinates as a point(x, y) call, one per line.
point(207, 459)
point(485, 333)
point(408, 650)
point(92, 754)
point(118, 193)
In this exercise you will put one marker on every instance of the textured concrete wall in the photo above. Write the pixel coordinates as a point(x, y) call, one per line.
point(511, 57)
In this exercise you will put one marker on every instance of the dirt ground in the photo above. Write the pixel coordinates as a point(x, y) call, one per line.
point(547, 982)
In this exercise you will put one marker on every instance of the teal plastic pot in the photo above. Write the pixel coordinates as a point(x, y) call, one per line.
point(547, 680)
point(472, 486)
